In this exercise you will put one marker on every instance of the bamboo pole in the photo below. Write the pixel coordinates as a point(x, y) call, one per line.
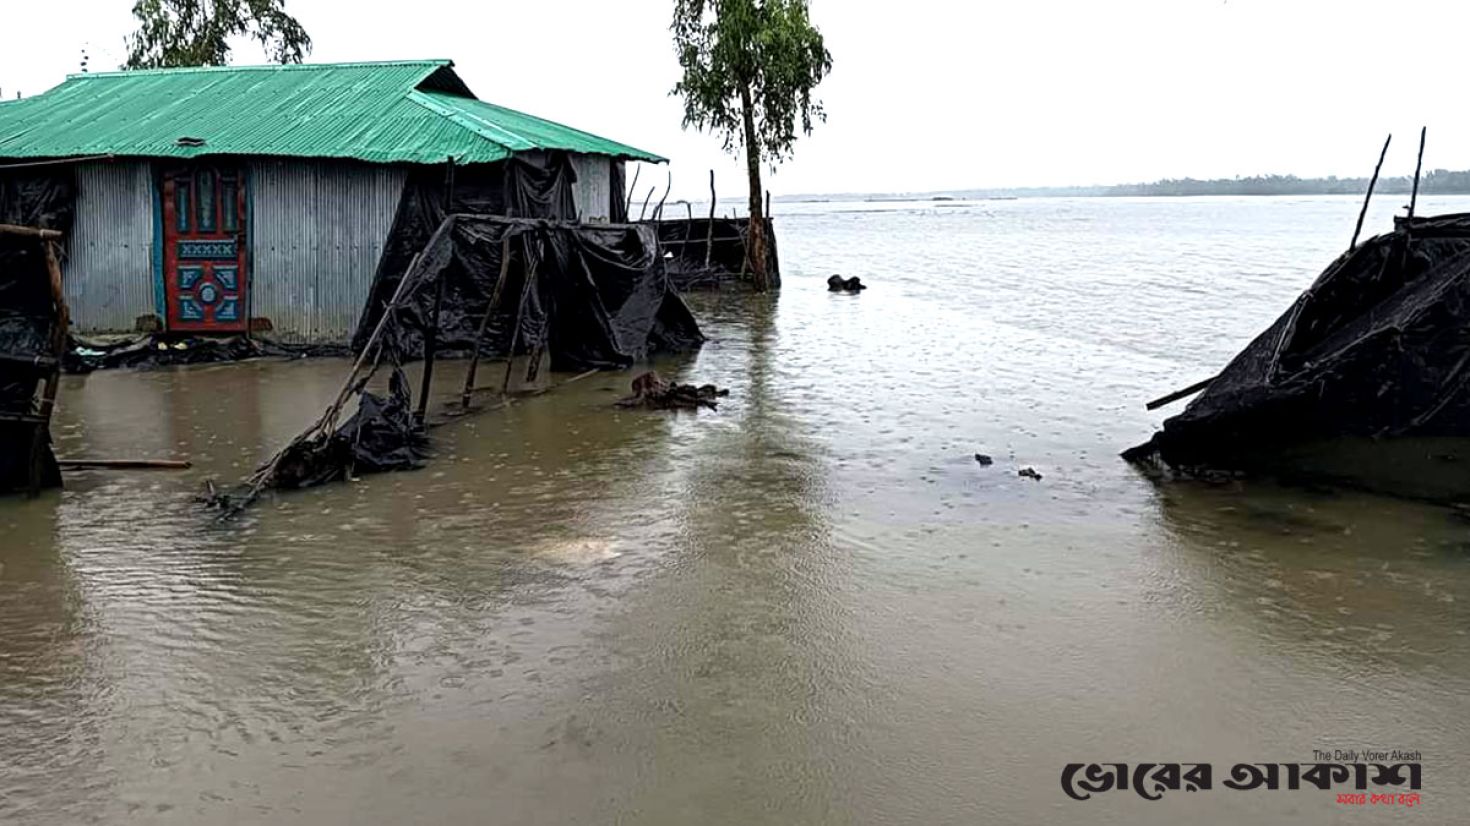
point(31, 232)
point(469, 379)
point(1373, 182)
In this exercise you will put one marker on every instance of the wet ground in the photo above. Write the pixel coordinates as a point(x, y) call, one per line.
point(809, 606)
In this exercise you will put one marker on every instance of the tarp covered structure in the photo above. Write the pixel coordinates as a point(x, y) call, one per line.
point(28, 322)
point(590, 295)
point(1377, 347)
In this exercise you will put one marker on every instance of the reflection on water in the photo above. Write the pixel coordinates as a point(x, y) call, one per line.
point(809, 606)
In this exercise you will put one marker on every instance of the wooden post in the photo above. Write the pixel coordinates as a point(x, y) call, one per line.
point(58, 335)
point(709, 235)
point(658, 212)
point(42, 427)
point(431, 344)
point(643, 210)
point(469, 379)
point(1372, 182)
point(1418, 165)
point(515, 333)
point(633, 187)
point(449, 186)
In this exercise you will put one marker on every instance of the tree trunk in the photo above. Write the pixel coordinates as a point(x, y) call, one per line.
point(755, 244)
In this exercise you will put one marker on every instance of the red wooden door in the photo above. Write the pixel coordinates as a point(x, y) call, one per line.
point(204, 267)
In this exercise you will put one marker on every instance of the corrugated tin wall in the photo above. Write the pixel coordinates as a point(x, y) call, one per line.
point(316, 235)
point(593, 191)
point(108, 274)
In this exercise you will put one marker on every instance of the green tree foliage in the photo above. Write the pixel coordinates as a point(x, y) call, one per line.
point(750, 67)
point(198, 32)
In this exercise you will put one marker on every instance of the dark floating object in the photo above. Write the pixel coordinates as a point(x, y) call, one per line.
point(838, 284)
point(654, 393)
point(985, 461)
point(1029, 473)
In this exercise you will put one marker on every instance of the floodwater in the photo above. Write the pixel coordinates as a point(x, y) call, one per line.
point(809, 606)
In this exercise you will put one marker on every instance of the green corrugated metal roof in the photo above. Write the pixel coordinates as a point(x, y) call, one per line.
point(396, 112)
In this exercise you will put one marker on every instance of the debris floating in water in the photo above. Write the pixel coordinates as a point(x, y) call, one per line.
point(838, 284)
point(984, 460)
point(1029, 473)
point(652, 392)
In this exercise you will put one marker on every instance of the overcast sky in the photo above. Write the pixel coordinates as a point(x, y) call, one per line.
point(926, 94)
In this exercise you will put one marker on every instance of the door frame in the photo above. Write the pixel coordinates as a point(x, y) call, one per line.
point(247, 274)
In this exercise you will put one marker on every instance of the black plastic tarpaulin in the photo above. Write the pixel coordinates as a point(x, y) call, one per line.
point(533, 185)
point(40, 199)
point(589, 295)
point(705, 253)
point(1378, 347)
point(592, 295)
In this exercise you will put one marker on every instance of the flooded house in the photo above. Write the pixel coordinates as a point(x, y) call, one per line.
point(262, 198)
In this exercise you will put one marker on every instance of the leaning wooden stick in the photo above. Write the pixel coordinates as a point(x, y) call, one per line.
point(1372, 182)
point(1418, 167)
point(329, 418)
point(469, 378)
point(633, 187)
point(515, 333)
point(1179, 394)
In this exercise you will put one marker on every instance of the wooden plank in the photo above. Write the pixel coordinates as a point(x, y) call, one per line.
point(126, 464)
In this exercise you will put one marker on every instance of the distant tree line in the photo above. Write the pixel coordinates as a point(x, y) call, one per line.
point(1438, 181)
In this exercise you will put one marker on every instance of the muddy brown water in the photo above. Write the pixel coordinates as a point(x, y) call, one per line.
point(810, 606)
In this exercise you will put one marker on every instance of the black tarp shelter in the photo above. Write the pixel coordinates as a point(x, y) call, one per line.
point(1377, 348)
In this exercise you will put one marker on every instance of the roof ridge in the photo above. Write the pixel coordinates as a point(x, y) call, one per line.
point(437, 106)
point(478, 126)
point(258, 67)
